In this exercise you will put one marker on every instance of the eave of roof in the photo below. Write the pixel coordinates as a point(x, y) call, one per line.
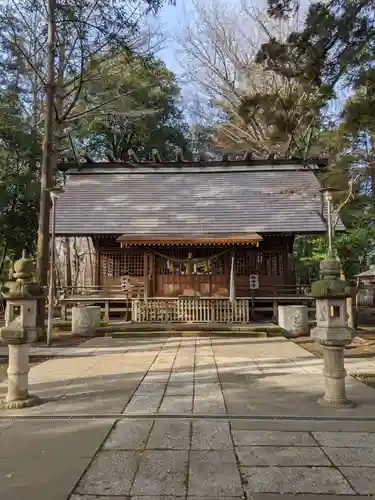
point(193, 239)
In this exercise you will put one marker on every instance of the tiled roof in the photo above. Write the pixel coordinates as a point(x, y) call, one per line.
point(219, 199)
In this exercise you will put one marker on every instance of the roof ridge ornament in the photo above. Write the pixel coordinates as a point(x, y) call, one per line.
point(155, 156)
point(133, 157)
point(179, 155)
point(111, 157)
point(128, 158)
point(201, 157)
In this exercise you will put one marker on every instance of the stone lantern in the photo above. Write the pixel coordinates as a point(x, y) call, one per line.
point(20, 329)
point(332, 330)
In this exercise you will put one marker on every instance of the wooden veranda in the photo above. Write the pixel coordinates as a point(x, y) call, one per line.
point(116, 303)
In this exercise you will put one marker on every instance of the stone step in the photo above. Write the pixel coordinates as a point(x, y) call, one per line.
point(255, 330)
point(190, 333)
point(122, 328)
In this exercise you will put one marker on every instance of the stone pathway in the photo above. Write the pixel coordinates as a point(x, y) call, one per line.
point(218, 459)
point(187, 418)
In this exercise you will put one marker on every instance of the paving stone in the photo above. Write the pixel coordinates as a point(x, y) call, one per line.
point(179, 388)
point(250, 371)
point(164, 367)
point(49, 478)
point(181, 377)
point(215, 498)
point(302, 425)
point(211, 435)
point(5, 424)
point(150, 387)
point(183, 362)
point(171, 434)
point(361, 478)
point(144, 404)
point(295, 480)
point(157, 376)
point(214, 473)
point(349, 439)
point(153, 497)
point(48, 438)
point(129, 435)
point(177, 404)
point(209, 405)
point(206, 388)
point(203, 376)
point(271, 438)
point(356, 457)
point(305, 496)
point(99, 497)
point(162, 473)
point(283, 456)
point(110, 473)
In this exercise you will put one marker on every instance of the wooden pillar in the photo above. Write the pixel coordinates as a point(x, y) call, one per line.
point(63, 311)
point(289, 270)
point(232, 275)
point(106, 310)
point(145, 275)
point(274, 310)
point(67, 264)
point(97, 267)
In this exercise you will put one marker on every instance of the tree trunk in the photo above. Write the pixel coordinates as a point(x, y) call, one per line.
point(46, 176)
point(89, 246)
point(3, 256)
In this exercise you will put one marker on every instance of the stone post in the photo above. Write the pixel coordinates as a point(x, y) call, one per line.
point(294, 320)
point(85, 320)
point(20, 329)
point(332, 331)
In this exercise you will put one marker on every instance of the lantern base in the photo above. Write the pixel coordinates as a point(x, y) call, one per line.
point(345, 403)
point(18, 404)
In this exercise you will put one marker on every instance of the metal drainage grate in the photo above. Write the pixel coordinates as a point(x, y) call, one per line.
point(195, 416)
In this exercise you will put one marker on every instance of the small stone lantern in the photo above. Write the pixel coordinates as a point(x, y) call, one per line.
point(20, 329)
point(332, 331)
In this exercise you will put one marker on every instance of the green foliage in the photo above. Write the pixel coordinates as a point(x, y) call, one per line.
point(308, 252)
point(336, 39)
point(95, 54)
point(19, 185)
point(142, 114)
point(335, 48)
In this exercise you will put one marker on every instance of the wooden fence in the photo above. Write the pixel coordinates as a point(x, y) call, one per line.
point(191, 310)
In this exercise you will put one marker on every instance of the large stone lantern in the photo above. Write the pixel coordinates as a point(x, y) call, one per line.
point(332, 331)
point(20, 329)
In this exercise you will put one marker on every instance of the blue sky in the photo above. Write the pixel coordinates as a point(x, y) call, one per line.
point(172, 18)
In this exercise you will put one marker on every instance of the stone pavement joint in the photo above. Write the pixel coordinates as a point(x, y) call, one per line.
point(226, 442)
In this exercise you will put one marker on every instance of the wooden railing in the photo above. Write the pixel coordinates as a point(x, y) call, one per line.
point(366, 297)
point(96, 290)
point(191, 310)
point(116, 290)
point(282, 290)
point(100, 291)
point(115, 301)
